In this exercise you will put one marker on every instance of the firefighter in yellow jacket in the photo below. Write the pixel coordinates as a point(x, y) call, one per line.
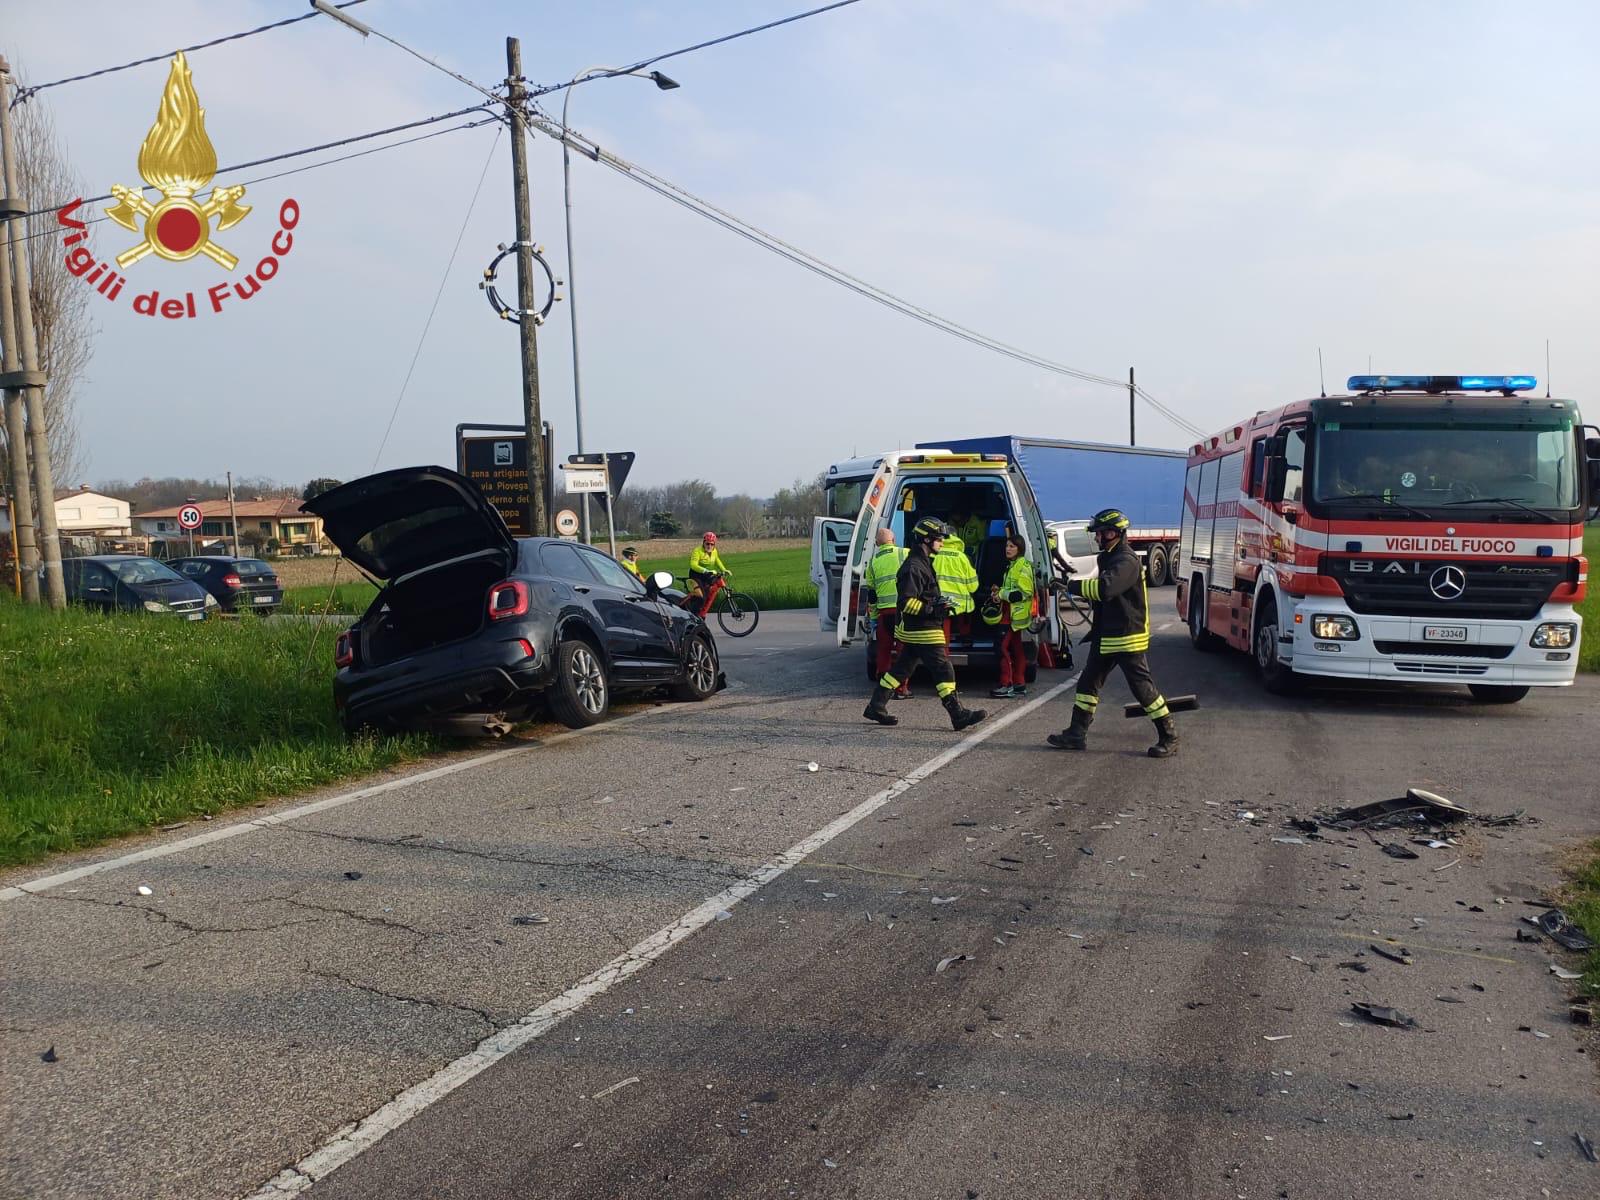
point(1118, 637)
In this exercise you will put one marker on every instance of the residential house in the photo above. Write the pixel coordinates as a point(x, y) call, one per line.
point(260, 520)
point(81, 513)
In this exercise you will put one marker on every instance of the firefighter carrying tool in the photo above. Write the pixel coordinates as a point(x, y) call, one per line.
point(1119, 637)
point(921, 631)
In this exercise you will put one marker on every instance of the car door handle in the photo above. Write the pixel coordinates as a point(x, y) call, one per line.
point(583, 591)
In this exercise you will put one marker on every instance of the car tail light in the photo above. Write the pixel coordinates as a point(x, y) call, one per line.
point(508, 598)
point(344, 650)
point(230, 580)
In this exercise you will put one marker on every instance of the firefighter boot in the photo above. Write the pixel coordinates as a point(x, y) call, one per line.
point(1076, 735)
point(878, 707)
point(962, 717)
point(1167, 745)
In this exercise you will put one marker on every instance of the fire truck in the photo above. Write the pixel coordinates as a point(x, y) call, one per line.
point(1422, 528)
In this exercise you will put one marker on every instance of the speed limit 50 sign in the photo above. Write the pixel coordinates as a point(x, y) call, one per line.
point(188, 517)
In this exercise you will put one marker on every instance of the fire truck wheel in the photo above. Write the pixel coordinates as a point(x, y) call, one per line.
point(1198, 634)
point(1496, 693)
point(1275, 676)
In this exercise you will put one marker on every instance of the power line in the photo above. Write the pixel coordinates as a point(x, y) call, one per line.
point(646, 62)
point(24, 93)
point(443, 279)
point(861, 287)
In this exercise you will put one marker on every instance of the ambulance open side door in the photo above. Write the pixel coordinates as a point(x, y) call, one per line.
point(862, 544)
point(830, 545)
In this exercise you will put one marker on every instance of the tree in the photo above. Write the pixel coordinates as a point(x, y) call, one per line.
point(61, 314)
point(744, 516)
point(317, 486)
point(664, 525)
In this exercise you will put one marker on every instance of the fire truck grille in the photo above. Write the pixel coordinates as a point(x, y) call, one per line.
point(1412, 588)
point(1443, 650)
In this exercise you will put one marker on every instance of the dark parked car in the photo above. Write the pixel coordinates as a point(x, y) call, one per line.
point(133, 583)
point(474, 626)
point(239, 584)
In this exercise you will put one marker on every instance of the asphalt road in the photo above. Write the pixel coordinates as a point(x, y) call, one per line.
point(503, 979)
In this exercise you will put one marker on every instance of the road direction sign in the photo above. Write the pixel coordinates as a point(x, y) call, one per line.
point(188, 517)
point(567, 523)
point(584, 479)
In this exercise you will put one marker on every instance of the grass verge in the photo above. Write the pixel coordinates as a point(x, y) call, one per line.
point(774, 578)
point(114, 724)
point(1582, 903)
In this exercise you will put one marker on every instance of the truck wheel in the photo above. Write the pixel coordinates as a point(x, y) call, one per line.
point(1275, 675)
point(1199, 636)
point(581, 693)
point(1156, 565)
point(1496, 693)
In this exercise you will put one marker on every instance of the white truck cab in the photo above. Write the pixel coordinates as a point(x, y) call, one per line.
point(906, 486)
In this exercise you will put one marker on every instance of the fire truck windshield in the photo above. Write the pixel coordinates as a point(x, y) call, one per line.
point(1446, 467)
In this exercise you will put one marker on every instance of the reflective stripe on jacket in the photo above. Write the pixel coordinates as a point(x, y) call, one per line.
point(1016, 589)
point(921, 623)
point(880, 574)
point(956, 577)
point(1121, 607)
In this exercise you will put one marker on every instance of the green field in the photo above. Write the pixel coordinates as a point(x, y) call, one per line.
point(1589, 656)
point(114, 724)
point(774, 578)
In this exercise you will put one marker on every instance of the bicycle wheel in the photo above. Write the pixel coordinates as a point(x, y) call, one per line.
point(738, 614)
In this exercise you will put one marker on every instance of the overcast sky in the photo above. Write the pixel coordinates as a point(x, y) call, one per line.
point(1205, 191)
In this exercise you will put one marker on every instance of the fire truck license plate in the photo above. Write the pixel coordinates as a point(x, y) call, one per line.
point(1444, 633)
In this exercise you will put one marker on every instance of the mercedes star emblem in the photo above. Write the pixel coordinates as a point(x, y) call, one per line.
point(1448, 583)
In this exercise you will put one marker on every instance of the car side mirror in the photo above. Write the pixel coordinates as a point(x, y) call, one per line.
point(658, 582)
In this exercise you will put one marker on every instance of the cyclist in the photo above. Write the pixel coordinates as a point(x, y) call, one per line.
point(630, 563)
point(705, 564)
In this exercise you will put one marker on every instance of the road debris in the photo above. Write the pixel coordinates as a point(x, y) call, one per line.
point(1450, 999)
point(1399, 954)
point(1580, 1013)
point(615, 1087)
point(945, 899)
point(352, 875)
point(1586, 1146)
point(1453, 862)
point(1356, 965)
point(1554, 924)
point(725, 915)
point(944, 963)
point(1247, 816)
point(1400, 810)
point(1276, 1037)
point(143, 890)
point(1396, 850)
point(1527, 935)
point(531, 919)
point(1380, 1014)
point(812, 767)
point(1561, 972)
point(49, 1055)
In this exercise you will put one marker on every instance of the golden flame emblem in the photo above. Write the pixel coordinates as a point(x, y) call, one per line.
point(178, 159)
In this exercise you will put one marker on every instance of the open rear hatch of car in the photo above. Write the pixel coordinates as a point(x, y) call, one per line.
point(436, 544)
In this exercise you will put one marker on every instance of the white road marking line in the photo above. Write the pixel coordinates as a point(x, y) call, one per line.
point(46, 882)
point(354, 1140)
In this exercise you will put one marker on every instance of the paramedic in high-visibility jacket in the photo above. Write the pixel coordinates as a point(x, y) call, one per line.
point(1118, 637)
point(879, 577)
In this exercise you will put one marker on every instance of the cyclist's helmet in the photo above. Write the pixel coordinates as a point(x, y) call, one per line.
point(629, 552)
point(710, 538)
point(929, 528)
point(1108, 518)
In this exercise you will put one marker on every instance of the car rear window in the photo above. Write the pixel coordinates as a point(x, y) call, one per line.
point(253, 566)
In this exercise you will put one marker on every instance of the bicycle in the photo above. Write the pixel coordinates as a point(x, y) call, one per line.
point(738, 615)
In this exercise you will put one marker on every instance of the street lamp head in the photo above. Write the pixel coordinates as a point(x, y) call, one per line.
point(665, 82)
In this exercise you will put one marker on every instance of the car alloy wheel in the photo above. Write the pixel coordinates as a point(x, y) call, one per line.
point(588, 680)
point(702, 670)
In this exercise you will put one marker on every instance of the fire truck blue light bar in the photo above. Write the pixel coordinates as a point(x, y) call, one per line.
point(1441, 383)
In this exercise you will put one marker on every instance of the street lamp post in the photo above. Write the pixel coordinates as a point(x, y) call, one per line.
point(666, 84)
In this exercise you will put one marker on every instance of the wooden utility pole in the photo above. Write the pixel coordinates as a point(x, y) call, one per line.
point(25, 551)
point(233, 516)
point(30, 378)
point(537, 466)
point(1131, 442)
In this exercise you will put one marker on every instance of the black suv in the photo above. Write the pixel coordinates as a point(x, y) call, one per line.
point(473, 627)
point(239, 584)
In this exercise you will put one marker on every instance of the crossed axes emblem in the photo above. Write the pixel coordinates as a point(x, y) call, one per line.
point(178, 228)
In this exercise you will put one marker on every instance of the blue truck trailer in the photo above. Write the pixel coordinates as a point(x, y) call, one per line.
point(1074, 480)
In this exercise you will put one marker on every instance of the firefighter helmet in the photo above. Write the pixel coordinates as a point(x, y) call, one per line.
point(929, 528)
point(1108, 518)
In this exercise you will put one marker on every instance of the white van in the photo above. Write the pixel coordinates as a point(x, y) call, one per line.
point(906, 486)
